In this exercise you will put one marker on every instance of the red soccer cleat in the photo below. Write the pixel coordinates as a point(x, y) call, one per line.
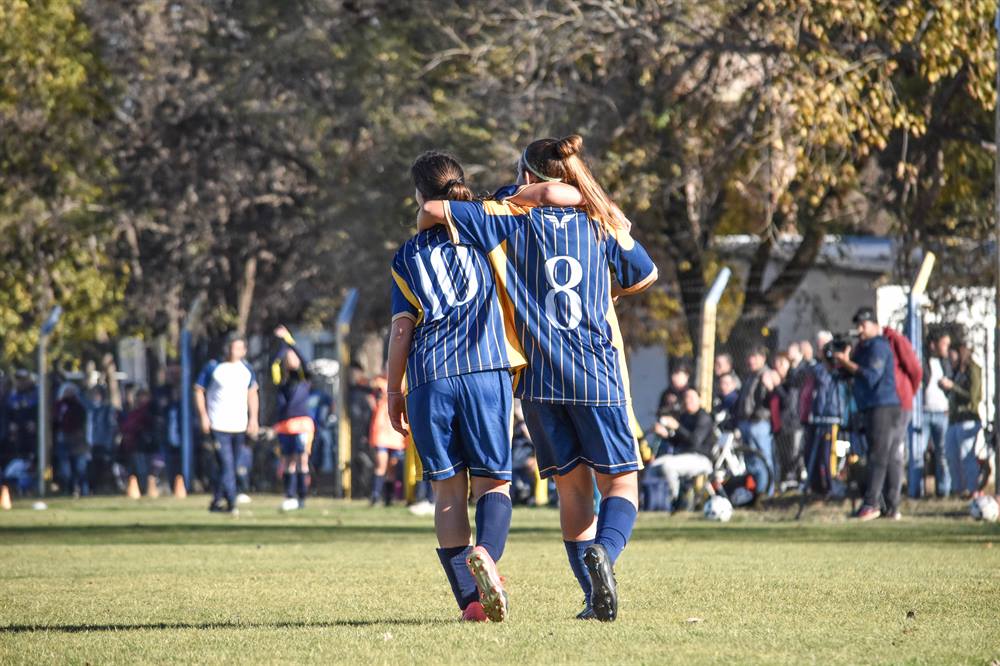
point(474, 613)
point(491, 592)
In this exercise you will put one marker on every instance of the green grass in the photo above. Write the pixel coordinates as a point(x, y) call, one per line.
point(114, 581)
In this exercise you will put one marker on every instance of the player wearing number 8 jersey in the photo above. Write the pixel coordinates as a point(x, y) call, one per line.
point(448, 333)
point(559, 265)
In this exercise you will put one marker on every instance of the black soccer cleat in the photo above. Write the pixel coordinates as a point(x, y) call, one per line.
point(604, 591)
point(587, 613)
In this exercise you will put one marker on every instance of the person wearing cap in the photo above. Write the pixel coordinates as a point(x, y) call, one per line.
point(873, 367)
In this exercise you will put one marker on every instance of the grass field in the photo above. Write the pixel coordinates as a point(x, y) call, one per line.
point(110, 580)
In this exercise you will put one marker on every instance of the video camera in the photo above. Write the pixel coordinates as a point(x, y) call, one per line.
point(840, 342)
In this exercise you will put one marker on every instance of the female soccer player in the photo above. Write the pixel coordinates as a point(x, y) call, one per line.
point(294, 426)
point(558, 265)
point(448, 338)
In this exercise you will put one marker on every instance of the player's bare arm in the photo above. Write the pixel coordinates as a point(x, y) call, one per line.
point(399, 349)
point(535, 194)
point(430, 213)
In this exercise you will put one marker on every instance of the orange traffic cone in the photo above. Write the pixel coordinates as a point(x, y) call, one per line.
point(133, 487)
point(5, 498)
point(180, 491)
point(152, 486)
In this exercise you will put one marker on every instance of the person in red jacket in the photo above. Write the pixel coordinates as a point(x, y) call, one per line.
point(909, 374)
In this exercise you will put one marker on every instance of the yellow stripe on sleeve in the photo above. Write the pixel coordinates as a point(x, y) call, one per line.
point(492, 207)
point(642, 284)
point(409, 296)
point(449, 224)
point(498, 262)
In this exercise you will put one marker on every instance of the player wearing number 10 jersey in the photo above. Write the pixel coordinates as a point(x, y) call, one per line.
point(558, 266)
point(448, 331)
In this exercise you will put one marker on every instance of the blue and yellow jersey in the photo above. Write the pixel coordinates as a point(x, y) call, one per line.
point(558, 270)
point(450, 293)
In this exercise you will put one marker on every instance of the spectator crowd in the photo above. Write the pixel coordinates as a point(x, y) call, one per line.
point(825, 417)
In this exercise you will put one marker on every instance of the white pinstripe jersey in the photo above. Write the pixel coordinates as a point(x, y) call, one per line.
point(450, 293)
point(557, 270)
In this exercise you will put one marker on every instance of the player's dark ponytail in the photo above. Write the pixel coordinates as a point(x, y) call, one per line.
point(438, 175)
point(561, 159)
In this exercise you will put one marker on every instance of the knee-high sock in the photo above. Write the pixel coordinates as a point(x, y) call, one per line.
point(300, 482)
point(614, 525)
point(377, 484)
point(493, 512)
point(463, 585)
point(574, 551)
point(288, 479)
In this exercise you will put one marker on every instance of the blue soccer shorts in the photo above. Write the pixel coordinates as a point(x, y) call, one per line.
point(295, 444)
point(568, 435)
point(463, 422)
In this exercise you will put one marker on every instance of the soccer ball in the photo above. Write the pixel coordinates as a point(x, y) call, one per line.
point(985, 508)
point(718, 508)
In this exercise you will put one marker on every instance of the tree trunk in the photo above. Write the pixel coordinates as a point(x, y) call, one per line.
point(763, 303)
point(246, 294)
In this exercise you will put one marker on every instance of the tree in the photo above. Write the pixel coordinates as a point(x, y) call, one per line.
point(54, 178)
point(756, 117)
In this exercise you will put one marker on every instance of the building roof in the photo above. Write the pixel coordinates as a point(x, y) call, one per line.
point(874, 254)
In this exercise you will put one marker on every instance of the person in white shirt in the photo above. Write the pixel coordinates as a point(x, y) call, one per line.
point(227, 401)
point(935, 419)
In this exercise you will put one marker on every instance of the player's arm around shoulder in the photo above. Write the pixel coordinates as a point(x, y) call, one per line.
point(430, 213)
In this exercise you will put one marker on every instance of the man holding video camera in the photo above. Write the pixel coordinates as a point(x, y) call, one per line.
point(872, 365)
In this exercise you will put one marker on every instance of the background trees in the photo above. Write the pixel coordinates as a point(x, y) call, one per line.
point(257, 152)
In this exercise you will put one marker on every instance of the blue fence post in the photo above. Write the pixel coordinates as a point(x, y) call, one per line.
point(186, 425)
point(187, 429)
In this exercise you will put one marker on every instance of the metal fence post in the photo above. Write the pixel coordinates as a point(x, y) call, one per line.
point(187, 443)
point(914, 331)
point(43, 394)
point(343, 332)
point(706, 350)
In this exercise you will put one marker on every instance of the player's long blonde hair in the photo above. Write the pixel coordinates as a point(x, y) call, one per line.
point(560, 159)
point(438, 175)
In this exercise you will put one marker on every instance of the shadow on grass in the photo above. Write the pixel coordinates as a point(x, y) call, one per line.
point(233, 533)
point(210, 626)
point(275, 534)
point(843, 533)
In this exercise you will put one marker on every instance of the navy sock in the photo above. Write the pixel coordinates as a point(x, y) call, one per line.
point(493, 523)
point(574, 551)
point(614, 525)
point(377, 483)
point(463, 585)
point(300, 482)
point(288, 478)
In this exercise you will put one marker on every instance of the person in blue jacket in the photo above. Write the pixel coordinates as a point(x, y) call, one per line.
point(872, 365)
